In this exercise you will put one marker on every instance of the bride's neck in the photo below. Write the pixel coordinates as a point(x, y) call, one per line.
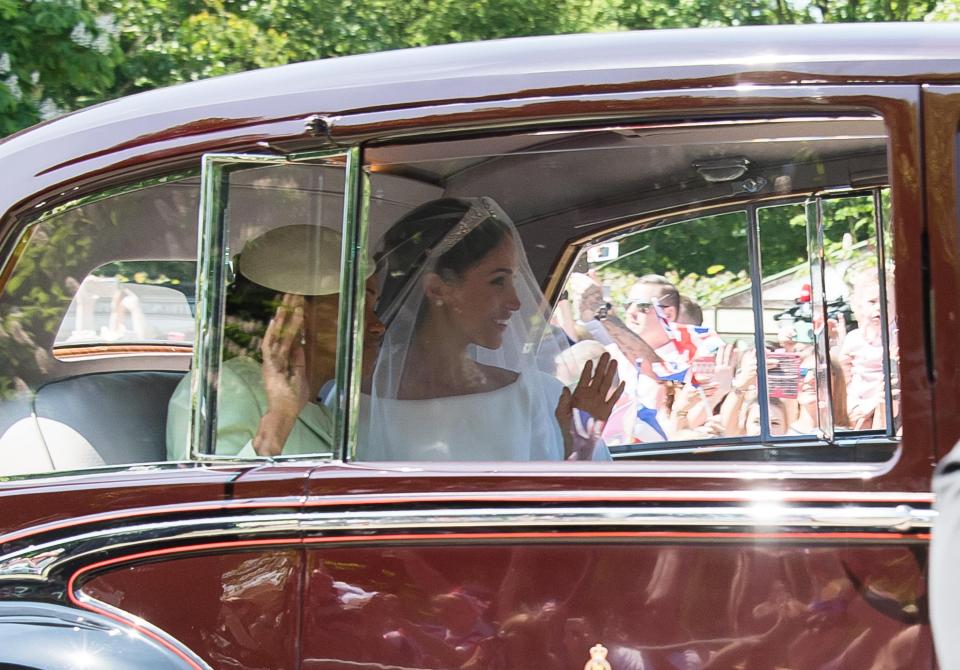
point(437, 360)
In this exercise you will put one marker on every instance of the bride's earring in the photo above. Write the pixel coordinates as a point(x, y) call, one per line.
point(439, 302)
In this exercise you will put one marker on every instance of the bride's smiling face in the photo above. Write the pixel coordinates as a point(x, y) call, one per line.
point(480, 302)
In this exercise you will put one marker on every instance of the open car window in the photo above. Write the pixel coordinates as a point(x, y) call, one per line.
point(738, 271)
point(816, 371)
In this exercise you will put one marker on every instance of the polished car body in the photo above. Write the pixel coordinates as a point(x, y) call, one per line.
point(675, 561)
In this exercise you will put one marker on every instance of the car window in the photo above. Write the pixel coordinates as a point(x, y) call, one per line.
point(94, 339)
point(739, 272)
point(272, 357)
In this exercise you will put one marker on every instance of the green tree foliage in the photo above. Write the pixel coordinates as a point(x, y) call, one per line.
point(707, 256)
point(444, 21)
point(55, 56)
point(853, 11)
point(945, 10)
point(167, 42)
point(38, 293)
point(688, 246)
point(641, 15)
point(171, 41)
point(126, 46)
point(327, 29)
point(713, 244)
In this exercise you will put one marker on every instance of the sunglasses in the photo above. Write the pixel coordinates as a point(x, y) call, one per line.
point(642, 306)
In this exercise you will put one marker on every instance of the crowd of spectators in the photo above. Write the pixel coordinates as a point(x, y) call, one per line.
point(686, 382)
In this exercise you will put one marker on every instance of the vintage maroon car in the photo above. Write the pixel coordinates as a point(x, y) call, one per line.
point(788, 180)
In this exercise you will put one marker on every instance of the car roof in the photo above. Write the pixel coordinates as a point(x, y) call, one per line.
point(500, 69)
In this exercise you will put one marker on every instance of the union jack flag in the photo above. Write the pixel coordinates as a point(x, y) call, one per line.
point(686, 343)
point(648, 426)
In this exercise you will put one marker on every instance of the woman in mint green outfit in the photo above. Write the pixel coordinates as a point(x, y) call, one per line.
point(275, 407)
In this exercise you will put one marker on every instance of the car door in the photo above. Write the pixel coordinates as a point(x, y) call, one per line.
point(941, 113)
point(695, 551)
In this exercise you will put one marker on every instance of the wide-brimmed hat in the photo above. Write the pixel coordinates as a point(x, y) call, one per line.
point(299, 259)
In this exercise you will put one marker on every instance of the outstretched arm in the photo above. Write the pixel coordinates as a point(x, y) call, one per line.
point(634, 347)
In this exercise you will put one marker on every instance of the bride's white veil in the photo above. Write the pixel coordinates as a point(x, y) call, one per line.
point(439, 237)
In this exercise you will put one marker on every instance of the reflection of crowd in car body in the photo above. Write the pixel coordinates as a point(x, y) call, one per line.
point(556, 619)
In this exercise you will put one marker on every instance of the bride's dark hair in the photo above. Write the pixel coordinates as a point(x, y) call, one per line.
point(413, 239)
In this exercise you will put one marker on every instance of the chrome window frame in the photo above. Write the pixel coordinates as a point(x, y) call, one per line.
point(212, 278)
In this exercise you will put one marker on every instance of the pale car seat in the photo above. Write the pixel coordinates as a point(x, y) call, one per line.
point(22, 449)
point(111, 418)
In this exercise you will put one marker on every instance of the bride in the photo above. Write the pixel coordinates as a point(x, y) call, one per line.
point(466, 371)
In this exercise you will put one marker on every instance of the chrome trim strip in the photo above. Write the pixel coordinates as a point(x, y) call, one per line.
point(752, 225)
point(817, 259)
point(38, 561)
point(212, 239)
point(582, 496)
point(880, 223)
point(350, 327)
point(18, 241)
point(480, 498)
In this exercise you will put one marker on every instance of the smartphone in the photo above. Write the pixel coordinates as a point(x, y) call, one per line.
point(703, 367)
point(783, 375)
